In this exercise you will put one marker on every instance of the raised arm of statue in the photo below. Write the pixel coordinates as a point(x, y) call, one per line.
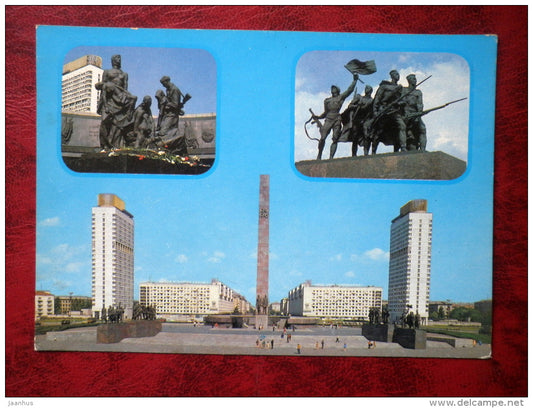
point(350, 89)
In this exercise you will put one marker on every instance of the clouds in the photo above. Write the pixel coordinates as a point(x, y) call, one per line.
point(63, 257)
point(216, 257)
point(181, 258)
point(50, 222)
point(374, 255)
point(377, 254)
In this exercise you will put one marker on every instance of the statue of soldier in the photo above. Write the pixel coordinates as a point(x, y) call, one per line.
point(143, 123)
point(172, 106)
point(111, 314)
point(388, 112)
point(415, 127)
point(333, 122)
point(358, 118)
point(170, 109)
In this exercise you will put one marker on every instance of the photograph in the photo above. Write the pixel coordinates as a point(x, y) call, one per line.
point(251, 256)
point(356, 105)
point(121, 111)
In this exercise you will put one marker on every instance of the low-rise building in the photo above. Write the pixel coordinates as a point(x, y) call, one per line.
point(334, 301)
point(275, 308)
point(444, 308)
point(241, 305)
point(190, 299)
point(44, 304)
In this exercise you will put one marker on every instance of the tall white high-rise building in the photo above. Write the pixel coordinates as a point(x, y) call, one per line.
point(112, 255)
point(77, 85)
point(410, 261)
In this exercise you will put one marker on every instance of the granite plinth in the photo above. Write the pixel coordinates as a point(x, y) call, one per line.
point(378, 332)
point(115, 332)
point(410, 338)
point(406, 165)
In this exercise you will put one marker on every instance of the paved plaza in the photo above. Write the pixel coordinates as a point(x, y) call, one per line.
point(188, 339)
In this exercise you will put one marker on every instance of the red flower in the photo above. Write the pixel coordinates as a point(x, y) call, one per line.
point(141, 157)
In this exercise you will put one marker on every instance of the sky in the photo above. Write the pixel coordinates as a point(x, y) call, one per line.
point(329, 231)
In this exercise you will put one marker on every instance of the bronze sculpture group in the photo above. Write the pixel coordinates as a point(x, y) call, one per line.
point(262, 304)
point(123, 124)
point(375, 316)
point(116, 314)
point(393, 117)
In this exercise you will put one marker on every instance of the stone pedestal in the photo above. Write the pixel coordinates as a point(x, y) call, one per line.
point(261, 321)
point(114, 333)
point(103, 163)
point(410, 338)
point(406, 165)
point(378, 332)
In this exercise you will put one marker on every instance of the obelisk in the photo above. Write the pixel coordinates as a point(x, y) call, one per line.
point(261, 319)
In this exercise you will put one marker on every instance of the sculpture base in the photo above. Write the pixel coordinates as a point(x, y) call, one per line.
point(410, 338)
point(407, 165)
point(261, 321)
point(103, 163)
point(378, 332)
point(114, 333)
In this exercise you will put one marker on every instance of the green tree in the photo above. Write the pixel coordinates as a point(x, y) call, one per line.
point(465, 314)
point(57, 305)
point(78, 304)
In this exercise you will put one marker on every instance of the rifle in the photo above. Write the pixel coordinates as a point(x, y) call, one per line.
point(417, 115)
point(313, 122)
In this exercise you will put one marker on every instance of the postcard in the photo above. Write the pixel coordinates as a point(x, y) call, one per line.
point(265, 193)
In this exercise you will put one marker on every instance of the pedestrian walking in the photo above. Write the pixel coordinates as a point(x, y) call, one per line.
point(272, 343)
point(345, 346)
point(299, 348)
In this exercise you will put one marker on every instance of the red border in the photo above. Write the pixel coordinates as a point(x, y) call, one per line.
point(29, 373)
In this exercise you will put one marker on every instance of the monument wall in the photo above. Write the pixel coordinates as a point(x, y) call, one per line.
point(199, 131)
